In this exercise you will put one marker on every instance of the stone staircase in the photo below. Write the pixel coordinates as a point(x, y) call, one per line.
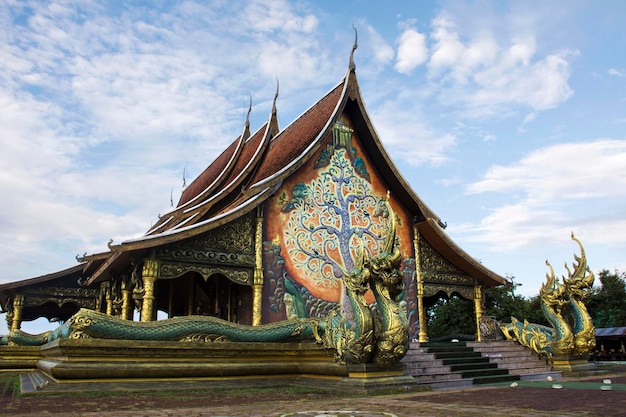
point(517, 359)
point(463, 364)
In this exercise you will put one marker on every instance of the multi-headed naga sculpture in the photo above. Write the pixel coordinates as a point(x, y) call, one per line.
point(572, 332)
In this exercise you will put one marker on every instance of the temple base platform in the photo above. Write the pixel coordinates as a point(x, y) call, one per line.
point(104, 364)
point(14, 358)
point(573, 365)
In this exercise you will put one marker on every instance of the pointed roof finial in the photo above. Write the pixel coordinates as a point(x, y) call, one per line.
point(248, 115)
point(352, 67)
point(275, 98)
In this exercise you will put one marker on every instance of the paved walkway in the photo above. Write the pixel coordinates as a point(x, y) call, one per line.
point(573, 397)
point(400, 405)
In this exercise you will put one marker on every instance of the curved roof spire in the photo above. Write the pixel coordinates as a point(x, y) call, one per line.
point(275, 98)
point(247, 126)
point(351, 66)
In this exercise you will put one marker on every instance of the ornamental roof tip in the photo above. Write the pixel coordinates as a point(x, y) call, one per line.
point(352, 66)
point(275, 97)
point(247, 124)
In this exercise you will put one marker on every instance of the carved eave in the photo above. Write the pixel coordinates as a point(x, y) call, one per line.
point(187, 198)
point(187, 223)
point(93, 262)
point(121, 253)
point(240, 167)
point(441, 242)
point(63, 278)
point(43, 279)
point(232, 184)
point(187, 202)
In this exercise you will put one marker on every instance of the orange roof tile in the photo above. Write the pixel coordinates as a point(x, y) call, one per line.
point(209, 175)
point(290, 143)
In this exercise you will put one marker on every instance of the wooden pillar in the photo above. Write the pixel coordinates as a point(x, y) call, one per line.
point(127, 304)
point(109, 299)
point(18, 304)
point(191, 300)
point(149, 275)
point(421, 311)
point(478, 308)
point(257, 286)
point(127, 298)
point(170, 300)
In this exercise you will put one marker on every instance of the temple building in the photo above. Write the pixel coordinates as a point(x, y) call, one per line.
point(266, 232)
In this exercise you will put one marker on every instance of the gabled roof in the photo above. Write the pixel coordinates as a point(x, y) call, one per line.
point(266, 158)
point(44, 279)
point(247, 173)
point(67, 278)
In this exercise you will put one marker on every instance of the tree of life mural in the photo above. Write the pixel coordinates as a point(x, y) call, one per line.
point(330, 217)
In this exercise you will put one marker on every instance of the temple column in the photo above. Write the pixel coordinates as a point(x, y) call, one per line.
point(478, 308)
point(170, 300)
point(421, 311)
point(149, 275)
point(127, 304)
point(18, 304)
point(257, 285)
point(127, 300)
point(109, 300)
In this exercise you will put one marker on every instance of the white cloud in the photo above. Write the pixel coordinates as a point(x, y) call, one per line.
point(383, 52)
point(616, 72)
point(412, 51)
point(482, 77)
point(277, 15)
point(407, 138)
point(554, 190)
point(448, 49)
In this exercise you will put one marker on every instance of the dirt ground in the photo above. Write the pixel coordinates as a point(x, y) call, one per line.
point(592, 400)
point(580, 397)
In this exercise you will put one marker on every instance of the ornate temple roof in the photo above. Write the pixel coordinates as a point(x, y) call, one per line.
point(254, 165)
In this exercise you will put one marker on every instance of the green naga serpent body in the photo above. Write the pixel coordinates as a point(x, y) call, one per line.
point(572, 332)
point(387, 285)
point(88, 323)
point(351, 331)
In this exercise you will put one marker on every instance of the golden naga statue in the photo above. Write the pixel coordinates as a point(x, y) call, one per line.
point(572, 332)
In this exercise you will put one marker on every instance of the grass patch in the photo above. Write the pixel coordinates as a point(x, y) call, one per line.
point(9, 385)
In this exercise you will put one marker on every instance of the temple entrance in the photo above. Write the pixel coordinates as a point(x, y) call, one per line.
point(450, 317)
point(218, 296)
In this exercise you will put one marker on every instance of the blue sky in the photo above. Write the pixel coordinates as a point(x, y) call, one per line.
point(506, 117)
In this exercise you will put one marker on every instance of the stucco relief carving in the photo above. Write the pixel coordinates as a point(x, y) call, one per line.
point(232, 243)
point(441, 275)
point(239, 276)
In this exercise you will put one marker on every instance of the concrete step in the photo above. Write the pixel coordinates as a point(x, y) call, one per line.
point(483, 373)
point(457, 361)
point(494, 379)
point(473, 366)
point(34, 381)
point(445, 365)
point(518, 359)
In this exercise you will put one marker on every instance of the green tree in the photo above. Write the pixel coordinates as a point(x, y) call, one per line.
point(607, 304)
point(457, 316)
point(450, 317)
point(535, 313)
point(502, 302)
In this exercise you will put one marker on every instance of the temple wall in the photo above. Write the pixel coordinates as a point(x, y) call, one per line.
point(313, 226)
